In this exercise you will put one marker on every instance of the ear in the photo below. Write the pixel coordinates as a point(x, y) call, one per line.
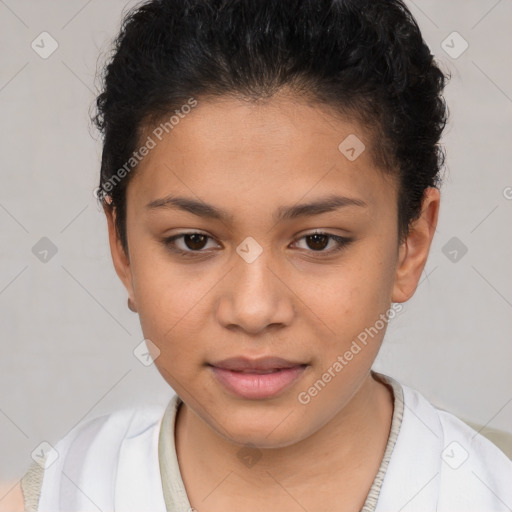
point(119, 257)
point(413, 252)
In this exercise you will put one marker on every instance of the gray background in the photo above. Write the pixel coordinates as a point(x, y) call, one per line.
point(67, 335)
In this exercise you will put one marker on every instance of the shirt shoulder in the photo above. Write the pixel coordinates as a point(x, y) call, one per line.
point(99, 437)
point(467, 469)
point(461, 441)
point(441, 463)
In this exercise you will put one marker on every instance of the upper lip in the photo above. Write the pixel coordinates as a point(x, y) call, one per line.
point(264, 363)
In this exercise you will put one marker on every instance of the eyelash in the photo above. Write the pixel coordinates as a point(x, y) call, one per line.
point(171, 245)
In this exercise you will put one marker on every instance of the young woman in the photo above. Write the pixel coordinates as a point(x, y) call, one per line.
point(270, 180)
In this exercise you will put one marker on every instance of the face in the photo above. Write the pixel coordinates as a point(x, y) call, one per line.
point(252, 235)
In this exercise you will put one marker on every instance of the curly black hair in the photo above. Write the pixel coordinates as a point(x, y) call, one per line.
point(362, 58)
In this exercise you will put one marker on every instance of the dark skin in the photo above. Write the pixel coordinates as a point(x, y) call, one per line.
point(292, 301)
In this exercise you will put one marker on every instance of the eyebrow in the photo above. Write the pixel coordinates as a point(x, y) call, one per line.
point(201, 209)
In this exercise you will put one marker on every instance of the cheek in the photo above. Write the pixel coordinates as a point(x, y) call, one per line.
point(352, 295)
point(171, 312)
point(170, 300)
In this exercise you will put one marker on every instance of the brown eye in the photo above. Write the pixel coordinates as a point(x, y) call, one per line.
point(318, 242)
point(195, 241)
point(188, 244)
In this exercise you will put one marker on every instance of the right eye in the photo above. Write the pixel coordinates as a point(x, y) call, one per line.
point(190, 243)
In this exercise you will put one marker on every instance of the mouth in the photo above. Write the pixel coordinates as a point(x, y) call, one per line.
point(257, 379)
point(262, 364)
point(259, 372)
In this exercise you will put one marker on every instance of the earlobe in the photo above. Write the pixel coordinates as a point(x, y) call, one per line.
point(413, 252)
point(119, 257)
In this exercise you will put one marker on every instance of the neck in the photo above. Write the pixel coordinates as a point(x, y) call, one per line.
point(350, 446)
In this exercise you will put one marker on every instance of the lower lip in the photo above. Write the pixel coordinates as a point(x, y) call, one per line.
point(257, 385)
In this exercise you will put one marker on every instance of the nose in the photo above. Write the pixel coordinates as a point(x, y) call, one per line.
point(255, 297)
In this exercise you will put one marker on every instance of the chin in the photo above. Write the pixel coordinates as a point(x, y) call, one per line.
point(270, 430)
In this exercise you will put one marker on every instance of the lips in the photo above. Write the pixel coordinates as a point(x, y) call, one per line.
point(257, 379)
point(262, 365)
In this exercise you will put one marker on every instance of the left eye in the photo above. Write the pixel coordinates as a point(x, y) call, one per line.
point(194, 243)
point(317, 241)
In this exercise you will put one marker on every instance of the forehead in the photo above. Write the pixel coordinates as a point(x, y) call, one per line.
point(231, 148)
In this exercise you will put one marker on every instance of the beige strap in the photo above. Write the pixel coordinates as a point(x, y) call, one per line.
point(398, 413)
point(175, 495)
point(31, 483)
